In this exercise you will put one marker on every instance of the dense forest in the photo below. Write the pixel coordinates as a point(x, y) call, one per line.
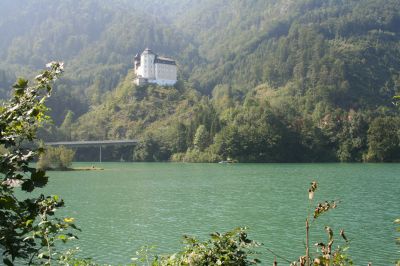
point(259, 81)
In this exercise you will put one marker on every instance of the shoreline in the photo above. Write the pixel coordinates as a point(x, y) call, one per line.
point(88, 168)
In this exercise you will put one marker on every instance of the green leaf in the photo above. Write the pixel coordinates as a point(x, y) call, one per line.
point(39, 178)
point(33, 112)
point(7, 262)
point(63, 238)
point(19, 91)
point(21, 84)
point(75, 227)
point(7, 202)
point(28, 186)
point(28, 222)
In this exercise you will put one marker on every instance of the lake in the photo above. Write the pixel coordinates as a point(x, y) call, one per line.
point(129, 205)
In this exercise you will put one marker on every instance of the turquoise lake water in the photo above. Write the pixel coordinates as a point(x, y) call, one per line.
point(129, 205)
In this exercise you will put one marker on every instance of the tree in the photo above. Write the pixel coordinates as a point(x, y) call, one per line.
point(383, 140)
point(150, 149)
point(201, 138)
point(66, 126)
point(228, 142)
point(28, 228)
point(56, 158)
point(180, 144)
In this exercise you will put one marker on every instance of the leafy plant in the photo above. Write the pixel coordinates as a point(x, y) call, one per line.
point(28, 227)
point(326, 254)
point(144, 256)
point(232, 248)
point(69, 258)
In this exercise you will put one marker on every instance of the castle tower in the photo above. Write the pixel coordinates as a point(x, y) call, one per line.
point(147, 64)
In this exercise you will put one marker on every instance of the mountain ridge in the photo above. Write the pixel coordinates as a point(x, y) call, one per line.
point(298, 69)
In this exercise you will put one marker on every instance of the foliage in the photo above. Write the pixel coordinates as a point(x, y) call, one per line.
point(150, 150)
point(201, 137)
point(326, 254)
point(144, 256)
point(3, 150)
point(28, 227)
point(330, 256)
point(69, 258)
point(55, 158)
point(197, 156)
point(274, 81)
point(383, 140)
point(66, 126)
point(231, 248)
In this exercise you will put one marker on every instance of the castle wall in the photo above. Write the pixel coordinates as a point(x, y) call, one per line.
point(154, 69)
point(165, 72)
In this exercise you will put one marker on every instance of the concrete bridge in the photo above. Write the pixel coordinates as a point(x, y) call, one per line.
point(93, 143)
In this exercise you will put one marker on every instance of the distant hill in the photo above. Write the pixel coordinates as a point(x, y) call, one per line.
point(347, 51)
point(293, 80)
point(97, 41)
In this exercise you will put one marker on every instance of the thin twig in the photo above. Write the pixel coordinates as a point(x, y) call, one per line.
point(307, 243)
point(279, 255)
point(35, 254)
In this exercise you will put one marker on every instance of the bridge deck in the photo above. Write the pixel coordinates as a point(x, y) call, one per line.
point(91, 143)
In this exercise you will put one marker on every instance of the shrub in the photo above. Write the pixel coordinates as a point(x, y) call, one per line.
point(231, 249)
point(197, 156)
point(56, 158)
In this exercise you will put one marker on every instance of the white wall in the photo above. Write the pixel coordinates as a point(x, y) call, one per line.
point(164, 82)
point(165, 72)
point(147, 65)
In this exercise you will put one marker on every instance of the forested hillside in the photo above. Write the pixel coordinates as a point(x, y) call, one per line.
point(260, 81)
point(97, 41)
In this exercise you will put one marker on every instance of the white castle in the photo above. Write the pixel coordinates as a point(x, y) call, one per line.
point(151, 68)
